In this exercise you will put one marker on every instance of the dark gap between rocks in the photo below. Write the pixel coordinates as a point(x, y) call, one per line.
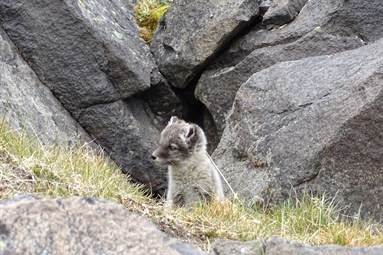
point(195, 111)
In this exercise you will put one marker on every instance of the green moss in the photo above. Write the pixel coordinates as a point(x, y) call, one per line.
point(148, 13)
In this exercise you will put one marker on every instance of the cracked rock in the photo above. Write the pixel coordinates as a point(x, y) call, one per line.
point(310, 124)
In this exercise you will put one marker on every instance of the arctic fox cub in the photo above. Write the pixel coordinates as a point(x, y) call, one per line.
point(192, 175)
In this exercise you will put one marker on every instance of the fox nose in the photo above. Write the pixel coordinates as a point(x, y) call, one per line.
point(153, 157)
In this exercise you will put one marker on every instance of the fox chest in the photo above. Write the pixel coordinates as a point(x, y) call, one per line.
point(190, 177)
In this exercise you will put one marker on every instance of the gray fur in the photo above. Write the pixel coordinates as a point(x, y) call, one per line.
point(192, 175)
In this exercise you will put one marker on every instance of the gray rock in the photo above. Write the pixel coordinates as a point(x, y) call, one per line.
point(314, 15)
point(313, 123)
point(86, 52)
point(281, 246)
point(81, 226)
point(191, 33)
point(127, 134)
point(310, 34)
point(25, 103)
point(320, 14)
point(358, 18)
point(217, 87)
point(162, 100)
point(230, 247)
point(282, 12)
point(264, 5)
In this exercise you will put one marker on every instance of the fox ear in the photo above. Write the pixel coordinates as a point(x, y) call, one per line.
point(191, 136)
point(191, 132)
point(173, 120)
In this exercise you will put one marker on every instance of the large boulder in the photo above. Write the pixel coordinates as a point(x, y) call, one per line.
point(89, 54)
point(80, 226)
point(322, 27)
point(314, 123)
point(25, 103)
point(279, 246)
point(191, 33)
point(86, 52)
point(217, 87)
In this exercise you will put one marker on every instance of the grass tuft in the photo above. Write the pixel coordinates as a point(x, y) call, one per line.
point(148, 13)
point(26, 166)
point(29, 167)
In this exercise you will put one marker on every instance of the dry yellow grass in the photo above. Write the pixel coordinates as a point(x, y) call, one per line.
point(26, 166)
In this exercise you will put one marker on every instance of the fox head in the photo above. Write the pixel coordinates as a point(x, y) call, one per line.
point(179, 142)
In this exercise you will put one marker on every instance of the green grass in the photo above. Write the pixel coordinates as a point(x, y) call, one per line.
point(29, 167)
point(148, 13)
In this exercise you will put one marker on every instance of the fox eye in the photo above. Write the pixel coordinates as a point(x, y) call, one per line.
point(172, 148)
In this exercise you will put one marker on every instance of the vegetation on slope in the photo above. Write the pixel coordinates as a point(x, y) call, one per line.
point(28, 167)
point(148, 13)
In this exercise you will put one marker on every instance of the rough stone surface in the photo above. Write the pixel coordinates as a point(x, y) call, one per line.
point(192, 32)
point(325, 25)
point(319, 14)
point(355, 17)
point(312, 16)
point(162, 100)
point(279, 246)
point(217, 87)
point(282, 12)
point(80, 226)
point(25, 103)
point(127, 134)
point(93, 50)
point(264, 5)
point(230, 247)
point(312, 123)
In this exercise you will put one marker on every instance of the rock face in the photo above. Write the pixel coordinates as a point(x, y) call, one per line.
point(217, 88)
point(192, 32)
point(280, 246)
point(27, 104)
point(313, 123)
point(127, 138)
point(80, 226)
point(282, 12)
point(84, 46)
point(90, 56)
point(322, 27)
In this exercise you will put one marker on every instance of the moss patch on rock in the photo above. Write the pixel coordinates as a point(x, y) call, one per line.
point(148, 13)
